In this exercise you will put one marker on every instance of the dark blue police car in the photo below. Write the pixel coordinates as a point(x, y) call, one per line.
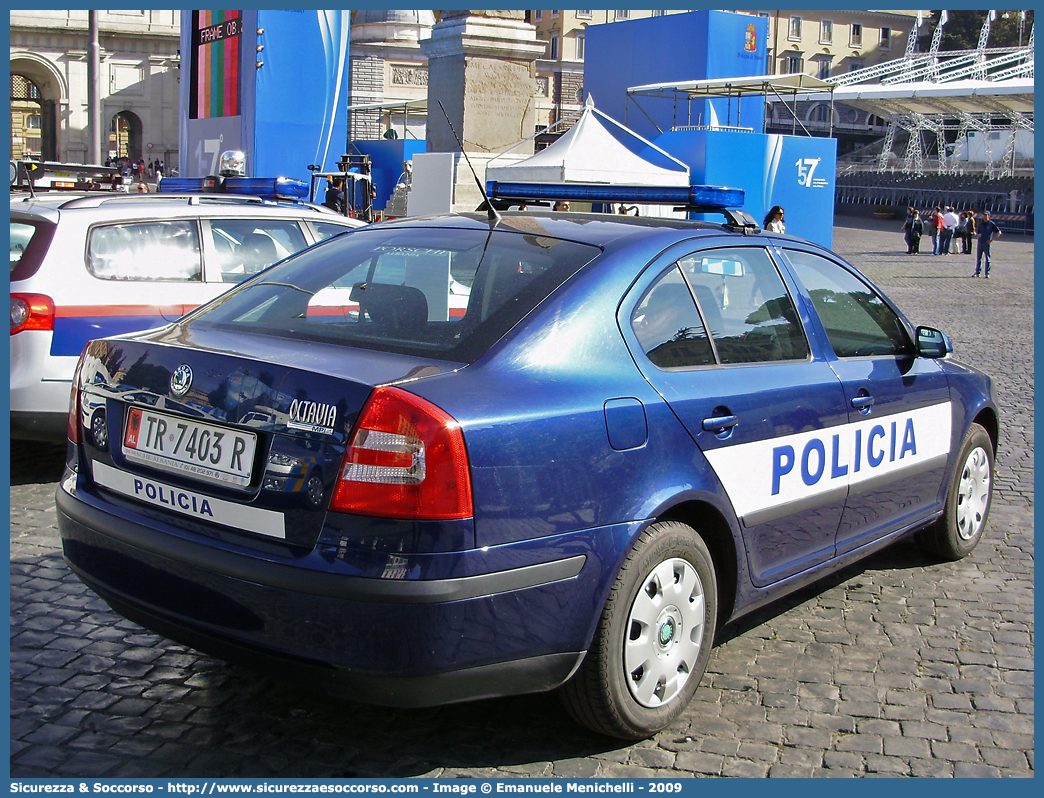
point(540, 450)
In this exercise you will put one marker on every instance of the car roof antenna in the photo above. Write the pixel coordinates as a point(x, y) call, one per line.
point(491, 212)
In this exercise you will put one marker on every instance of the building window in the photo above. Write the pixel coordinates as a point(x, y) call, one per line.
point(552, 47)
point(793, 63)
point(854, 65)
point(538, 15)
point(824, 69)
point(826, 32)
point(32, 122)
point(659, 13)
point(554, 15)
point(795, 29)
point(579, 47)
point(821, 113)
point(584, 14)
point(23, 89)
point(886, 38)
point(856, 39)
point(623, 15)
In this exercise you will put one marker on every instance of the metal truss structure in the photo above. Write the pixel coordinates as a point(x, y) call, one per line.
point(924, 130)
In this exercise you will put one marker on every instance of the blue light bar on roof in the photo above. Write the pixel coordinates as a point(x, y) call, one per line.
point(265, 187)
point(688, 196)
point(186, 185)
point(272, 187)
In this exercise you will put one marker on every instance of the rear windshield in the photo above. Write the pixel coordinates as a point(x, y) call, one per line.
point(29, 242)
point(444, 293)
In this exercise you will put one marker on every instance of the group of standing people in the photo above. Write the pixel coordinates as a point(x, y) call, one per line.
point(947, 227)
point(141, 169)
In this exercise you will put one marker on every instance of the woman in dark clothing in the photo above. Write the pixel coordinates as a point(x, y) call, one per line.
point(969, 232)
point(912, 229)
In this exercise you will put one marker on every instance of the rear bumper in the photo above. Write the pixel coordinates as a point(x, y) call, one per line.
point(530, 675)
point(39, 389)
point(40, 382)
point(397, 641)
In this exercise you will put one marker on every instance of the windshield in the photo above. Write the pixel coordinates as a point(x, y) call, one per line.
point(446, 293)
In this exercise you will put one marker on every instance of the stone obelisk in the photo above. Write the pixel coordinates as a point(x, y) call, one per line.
point(482, 68)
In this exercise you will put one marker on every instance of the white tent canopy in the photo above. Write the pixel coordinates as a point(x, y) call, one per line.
point(589, 153)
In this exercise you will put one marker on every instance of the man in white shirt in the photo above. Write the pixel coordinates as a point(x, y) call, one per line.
point(950, 222)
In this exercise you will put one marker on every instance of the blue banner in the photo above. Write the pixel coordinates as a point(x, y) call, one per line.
point(681, 47)
point(301, 94)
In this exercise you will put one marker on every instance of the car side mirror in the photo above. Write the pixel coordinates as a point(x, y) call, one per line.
point(933, 343)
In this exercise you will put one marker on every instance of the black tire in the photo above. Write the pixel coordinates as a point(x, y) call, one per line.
point(968, 500)
point(612, 695)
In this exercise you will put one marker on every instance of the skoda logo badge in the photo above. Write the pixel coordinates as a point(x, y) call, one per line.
point(181, 380)
point(667, 632)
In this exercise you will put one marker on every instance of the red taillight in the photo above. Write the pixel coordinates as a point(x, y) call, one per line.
point(74, 432)
point(31, 312)
point(406, 459)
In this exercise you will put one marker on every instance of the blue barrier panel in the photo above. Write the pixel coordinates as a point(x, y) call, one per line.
point(386, 159)
point(794, 172)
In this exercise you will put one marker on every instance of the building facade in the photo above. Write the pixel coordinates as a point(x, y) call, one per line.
point(138, 84)
point(827, 43)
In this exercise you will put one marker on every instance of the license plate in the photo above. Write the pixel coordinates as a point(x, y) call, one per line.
point(205, 451)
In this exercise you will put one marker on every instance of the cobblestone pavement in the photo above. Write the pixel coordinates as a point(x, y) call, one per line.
point(897, 666)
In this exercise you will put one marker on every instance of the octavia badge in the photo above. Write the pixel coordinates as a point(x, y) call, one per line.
point(181, 380)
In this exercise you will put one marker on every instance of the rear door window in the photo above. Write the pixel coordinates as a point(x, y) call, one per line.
point(427, 291)
point(29, 242)
point(162, 250)
point(241, 247)
point(750, 314)
point(669, 327)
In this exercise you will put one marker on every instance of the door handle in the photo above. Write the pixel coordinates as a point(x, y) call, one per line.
point(720, 423)
point(862, 403)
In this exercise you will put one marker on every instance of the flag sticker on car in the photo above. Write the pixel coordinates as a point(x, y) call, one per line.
point(190, 503)
point(768, 475)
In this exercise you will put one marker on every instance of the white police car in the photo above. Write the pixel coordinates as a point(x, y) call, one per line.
point(88, 266)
